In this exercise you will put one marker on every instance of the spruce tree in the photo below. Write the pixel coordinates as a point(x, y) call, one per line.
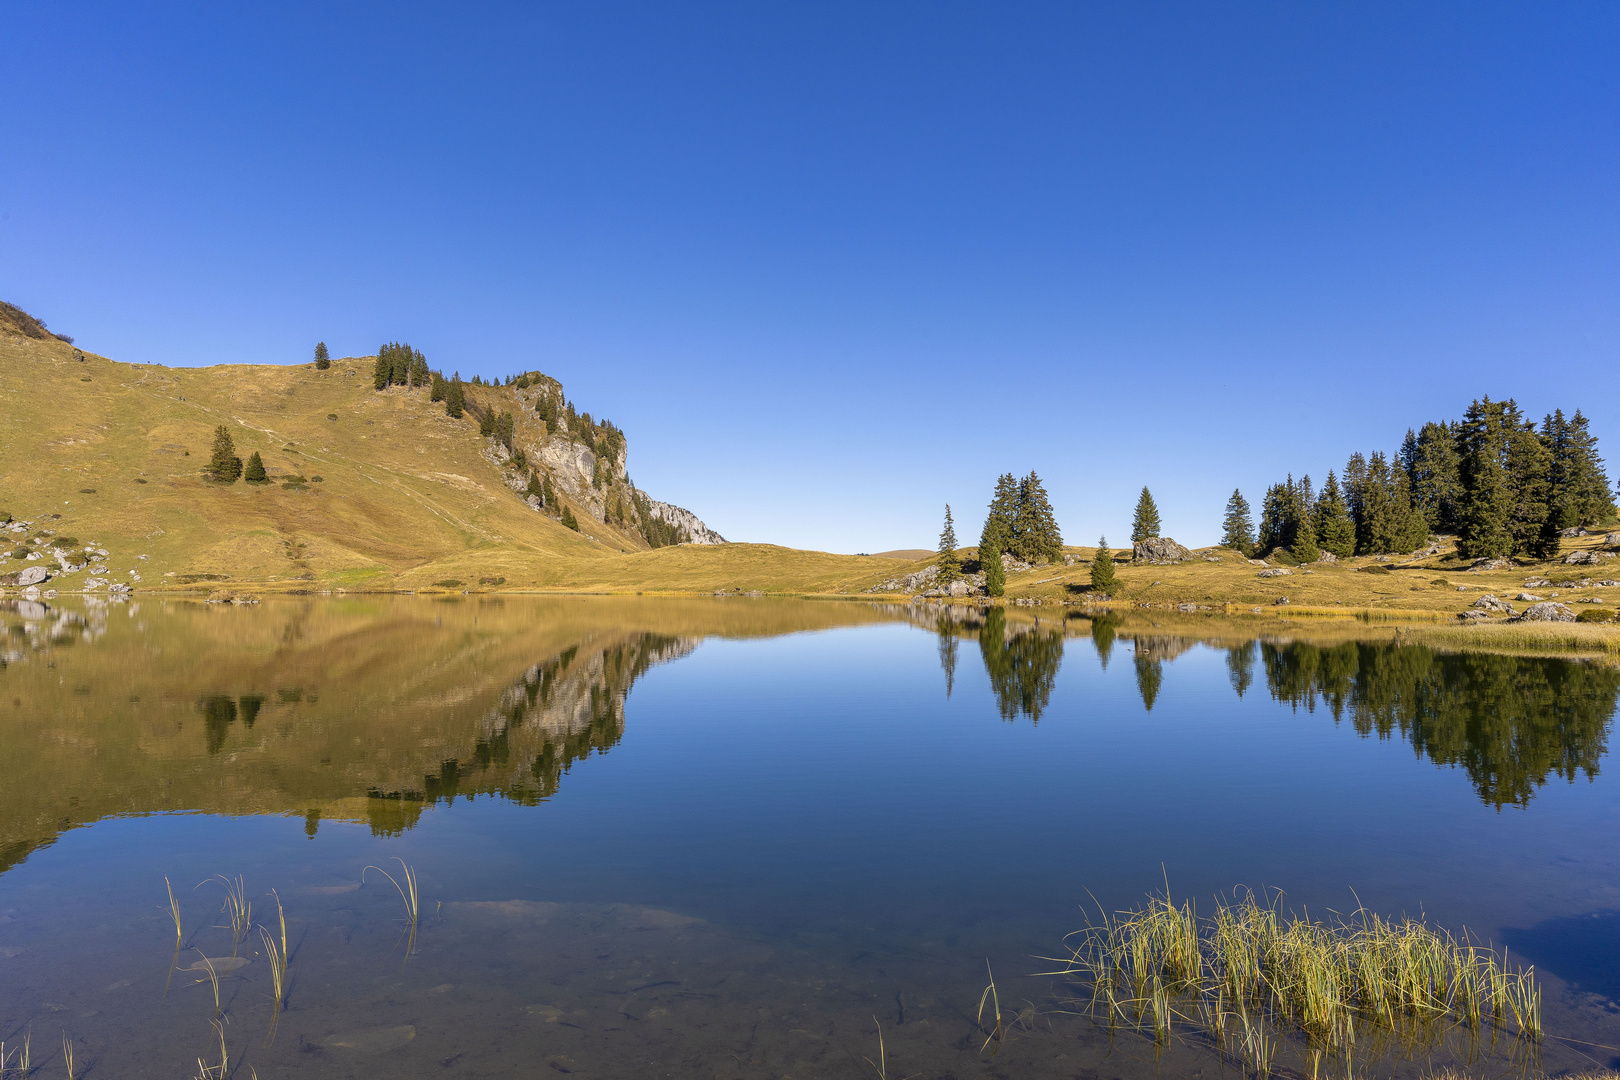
point(949, 566)
point(455, 399)
point(1436, 483)
point(548, 494)
point(992, 542)
point(437, 388)
point(1237, 528)
point(1102, 569)
point(1275, 531)
point(1335, 531)
point(1354, 486)
point(1373, 530)
point(1527, 465)
point(535, 489)
point(1588, 495)
point(1487, 501)
point(323, 359)
point(1145, 524)
point(225, 467)
point(569, 519)
point(255, 469)
point(1003, 513)
point(382, 372)
point(1035, 529)
point(1304, 548)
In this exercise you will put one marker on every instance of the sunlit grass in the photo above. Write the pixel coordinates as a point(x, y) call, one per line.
point(238, 908)
point(407, 894)
point(1252, 974)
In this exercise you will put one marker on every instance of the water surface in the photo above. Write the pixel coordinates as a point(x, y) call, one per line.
point(732, 837)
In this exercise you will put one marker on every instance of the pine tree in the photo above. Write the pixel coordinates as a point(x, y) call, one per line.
point(1275, 520)
point(323, 359)
point(1436, 483)
point(225, 467)
point(949, 566)
point(1354, 486)
point(382, 372)
point(548, 495)
point(1145, 525)
point(455, 399)
point(535, 489)
point(569, 520)
point(1003, 514)
point(1304, 547)
point(1102, 569)
point(1408, 528)
point(1035, 530)
point(1237, 528)
point(1335, 531)
point(437, 388)
point(1487, 501)
point(1527, 465)
point(1588, 496)
point(255, 469)
point(1373, 530)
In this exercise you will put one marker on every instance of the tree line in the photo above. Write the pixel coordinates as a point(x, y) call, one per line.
point(1494, 479)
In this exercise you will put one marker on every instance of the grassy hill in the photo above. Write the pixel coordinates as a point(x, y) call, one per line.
point(369, 489)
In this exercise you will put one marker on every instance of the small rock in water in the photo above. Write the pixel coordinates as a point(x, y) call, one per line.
point(221, 964)
point(372, 1040)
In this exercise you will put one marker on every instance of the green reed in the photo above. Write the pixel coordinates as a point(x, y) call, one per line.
point(1250, 972)
point(67, 1054)
point(407, 894)
point(174, 913)
point(237, 907)
point(24, 1066)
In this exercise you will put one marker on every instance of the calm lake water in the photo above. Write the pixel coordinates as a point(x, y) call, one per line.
point(732, 837)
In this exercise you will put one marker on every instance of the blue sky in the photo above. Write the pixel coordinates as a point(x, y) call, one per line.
point(832, 266)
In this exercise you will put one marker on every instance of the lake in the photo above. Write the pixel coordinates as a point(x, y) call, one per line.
point(742, 837)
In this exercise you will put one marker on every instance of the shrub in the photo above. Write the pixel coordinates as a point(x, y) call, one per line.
point(448, 583)
point(1372, 570)
point(569, 519)
point(1598, 615)
point(317, 479)
point(138, 480)
point(492, 581)
point(87, 491)
point(331, 416)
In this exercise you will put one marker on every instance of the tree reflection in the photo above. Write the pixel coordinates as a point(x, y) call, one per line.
point(1022, 665)
point(1510, 722)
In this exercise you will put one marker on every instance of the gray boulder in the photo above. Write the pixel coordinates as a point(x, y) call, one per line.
point(1576, 531)
point(33, 575)
point(1612, 539)
point(1472, 615)
point(1275, 571)
point(1491, 603)
point(1585, 558)
point(1546, 611)
point(1327, 556)
point(1492, 564)
point(1159, 549)
point(1528, 598)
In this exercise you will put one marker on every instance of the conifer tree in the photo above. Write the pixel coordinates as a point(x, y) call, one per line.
point(569, 519)
point(224, 466)
point(1035, 529)
point(486, 423)
point(1335, 531)
point(1527, 467)
point(596, 474)
point(255, 469)
point(1436, 483)
point(455, 399)
point(1588, 497)
point(382, 372)
point(1145, 524)
point(1102, 568)
point(437, 388)
point(1487, 502)
point(535, 489)
point(1304, 548)
point(949, 566)
point(548, 494)
point(1237, 528)
point(323, 359)
point(1003, 513)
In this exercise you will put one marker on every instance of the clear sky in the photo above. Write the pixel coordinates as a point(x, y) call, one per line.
point(832, 266)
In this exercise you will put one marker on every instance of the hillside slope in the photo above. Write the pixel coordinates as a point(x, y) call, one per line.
point(369, 489)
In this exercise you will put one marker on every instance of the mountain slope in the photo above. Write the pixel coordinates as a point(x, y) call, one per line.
point(370, 489)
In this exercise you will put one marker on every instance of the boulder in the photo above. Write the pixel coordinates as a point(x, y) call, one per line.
point(1576, 531)
point(1585, 558)
point(1590, 600)
point(1528, 598)
point(1492, 564)
point(1327, 556)
point(1281, 600)
point(1257, 562)
point(1612, 539)
point(1472, 615)
point(33, 575)
point(959, 587)
point(1491, 603)
point(1546, 611)
point(1275, 571)
point(1537, 583)
point(1159, 549)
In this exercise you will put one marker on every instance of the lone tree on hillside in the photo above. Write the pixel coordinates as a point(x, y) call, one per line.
point(1102, 568)
point(1238, 526)
point(1145, 525)
point(950, 567)
point(224, 466)
point(255, 469)
point(322, 359)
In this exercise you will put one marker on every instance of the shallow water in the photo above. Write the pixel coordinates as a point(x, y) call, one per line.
point(733, 837)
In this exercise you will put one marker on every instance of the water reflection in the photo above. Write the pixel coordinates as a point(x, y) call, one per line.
point(1510, 722)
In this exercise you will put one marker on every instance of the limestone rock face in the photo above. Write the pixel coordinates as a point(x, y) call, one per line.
point(1546, 611)
point(1159, 549)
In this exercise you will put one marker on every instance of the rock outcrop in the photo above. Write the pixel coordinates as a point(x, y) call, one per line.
point(1546, 611)
point(685, 519)
point(1585, 558)
point(1159, 549)
point(1491, 603)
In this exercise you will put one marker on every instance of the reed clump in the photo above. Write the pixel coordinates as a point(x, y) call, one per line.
point(407, 894)
point(1251, 974)
point(237, 907)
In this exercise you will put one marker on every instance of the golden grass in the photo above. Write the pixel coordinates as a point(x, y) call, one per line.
point(1251, 976)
